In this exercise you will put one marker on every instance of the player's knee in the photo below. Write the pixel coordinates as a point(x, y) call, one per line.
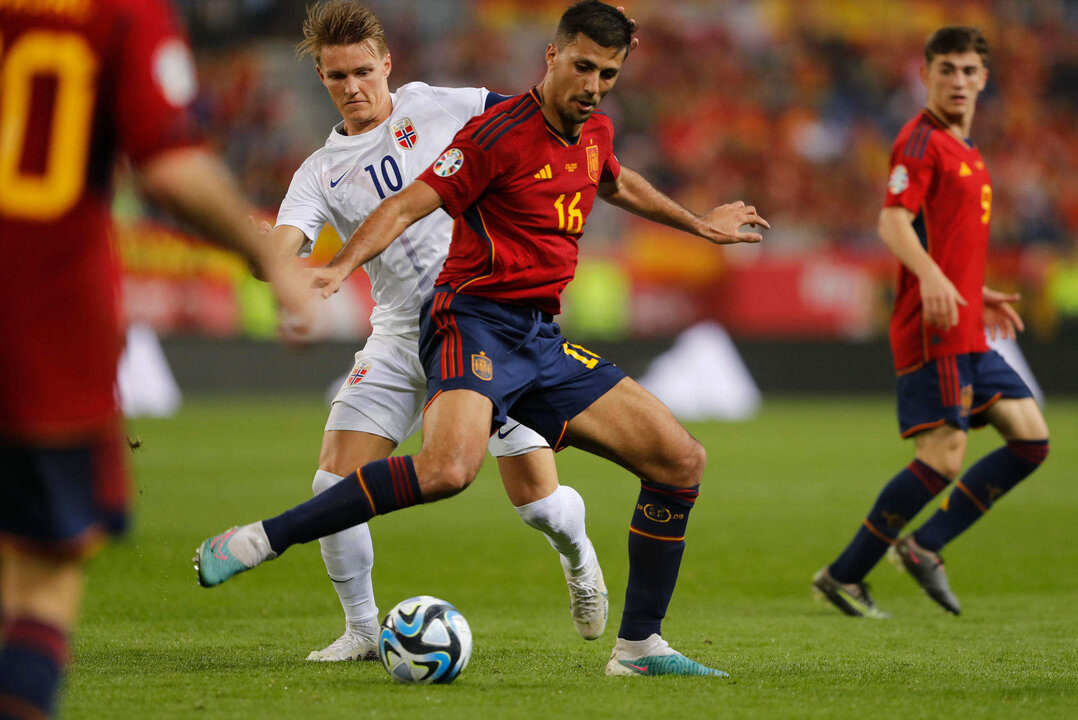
point(448, 478)
point(688, 463)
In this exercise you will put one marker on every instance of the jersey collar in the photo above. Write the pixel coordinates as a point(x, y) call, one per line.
point(564, 140)
point(939, 122)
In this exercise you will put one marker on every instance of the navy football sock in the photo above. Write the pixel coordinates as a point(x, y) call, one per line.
point(899, 501)
point(376, 488)
point(990, 478)
point(656, 544)
point(31, 665)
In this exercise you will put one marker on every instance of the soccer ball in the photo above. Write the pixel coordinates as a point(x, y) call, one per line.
point(424, 640)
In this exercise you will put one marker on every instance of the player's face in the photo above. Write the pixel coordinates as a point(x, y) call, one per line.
point(954, 81)
point(580, 74)
point(357, 78)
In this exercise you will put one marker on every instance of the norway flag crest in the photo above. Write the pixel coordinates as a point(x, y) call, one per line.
point(404, 133)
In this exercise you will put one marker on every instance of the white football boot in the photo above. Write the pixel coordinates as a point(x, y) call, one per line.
point(357, 643)
point(588, 600)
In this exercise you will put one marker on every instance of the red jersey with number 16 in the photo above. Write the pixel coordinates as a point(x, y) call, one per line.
point(83, 81)
point(943, 180)
point(520, 193)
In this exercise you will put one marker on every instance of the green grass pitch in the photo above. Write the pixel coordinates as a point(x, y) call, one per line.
point(782, 495)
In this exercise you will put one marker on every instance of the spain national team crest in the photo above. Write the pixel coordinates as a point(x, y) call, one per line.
point(404, 133)
point(359, 372)
point(593, 162)
point(482, 366)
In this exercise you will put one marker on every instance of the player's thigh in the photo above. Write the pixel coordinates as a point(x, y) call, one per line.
point(456, 428)
point(942, 448)
point(344, 451)
point(1018, 419)
point(44, 587)
point(633, 428)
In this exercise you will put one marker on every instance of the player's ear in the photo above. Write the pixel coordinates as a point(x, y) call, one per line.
point(924, 74)
point(551, 53)
point(388, 64)
point(321, 75)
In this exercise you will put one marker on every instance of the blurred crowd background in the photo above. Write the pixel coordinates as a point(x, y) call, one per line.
point(791, 105)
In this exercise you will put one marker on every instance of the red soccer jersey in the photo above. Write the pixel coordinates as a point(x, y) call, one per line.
point(83, 80)
point(520, 193)
point(945, 182)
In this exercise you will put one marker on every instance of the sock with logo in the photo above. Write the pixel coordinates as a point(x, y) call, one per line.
point(31, 665)
point(656, 544)
point(899, 501)
point(376, 488)
point(990, 478)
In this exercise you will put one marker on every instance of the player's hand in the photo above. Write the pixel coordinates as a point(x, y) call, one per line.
point(633, 27)
point(327, 280)
point(722, 225)
point(940, 300)
point(1001, 320)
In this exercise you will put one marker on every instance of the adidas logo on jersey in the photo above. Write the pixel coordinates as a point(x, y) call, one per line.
point(964, 171)
point(544, 174)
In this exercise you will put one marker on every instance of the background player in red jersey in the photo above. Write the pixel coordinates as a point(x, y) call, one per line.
point(520, 179)
point(81, 82)
point(935, 220)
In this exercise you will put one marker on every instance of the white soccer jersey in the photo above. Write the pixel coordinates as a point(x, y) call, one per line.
point(343, 182)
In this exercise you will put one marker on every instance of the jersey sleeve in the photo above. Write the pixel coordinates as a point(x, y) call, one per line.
point(461, 103)
point(156, 85)
point(304, 206)
point(463, 172)
point(912, 171)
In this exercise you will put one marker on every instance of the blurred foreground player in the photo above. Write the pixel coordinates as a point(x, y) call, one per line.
point(81, 82)
point(935, 220)
point(521, 180)
point(383, 142)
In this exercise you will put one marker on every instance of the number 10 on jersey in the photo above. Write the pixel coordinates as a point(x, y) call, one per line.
point(570, 219)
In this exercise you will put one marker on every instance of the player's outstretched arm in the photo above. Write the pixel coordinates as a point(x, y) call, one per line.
point(721, 226)
point(286, 241)
point(395, 215)
point(939, 297)
point(198, 188)
point(1000, 318)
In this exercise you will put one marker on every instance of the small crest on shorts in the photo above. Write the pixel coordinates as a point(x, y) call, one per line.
point(358, 372)
point(592, 152)
point(482, 366)
point(404, 133)
point(967, 399)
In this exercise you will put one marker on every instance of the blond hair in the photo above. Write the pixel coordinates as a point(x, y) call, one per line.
point(340, 22)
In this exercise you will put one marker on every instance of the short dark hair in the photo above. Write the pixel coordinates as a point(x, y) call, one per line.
point(603, 23)
point(956, 39)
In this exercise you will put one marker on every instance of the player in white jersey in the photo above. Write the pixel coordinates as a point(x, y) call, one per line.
point(382, 143)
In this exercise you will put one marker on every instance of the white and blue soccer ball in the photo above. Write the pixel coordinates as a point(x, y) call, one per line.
point(424, 640)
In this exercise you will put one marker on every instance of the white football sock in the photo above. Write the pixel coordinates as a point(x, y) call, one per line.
point(560, 516)
point(349, 558)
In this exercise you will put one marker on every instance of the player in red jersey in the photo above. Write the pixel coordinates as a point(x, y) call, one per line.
point(935, 220)
point(520, 181)
point(82, 82)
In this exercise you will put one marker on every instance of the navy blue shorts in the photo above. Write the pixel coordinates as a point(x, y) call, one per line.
point(514, 355)
point(956, 390)
point(63, 500)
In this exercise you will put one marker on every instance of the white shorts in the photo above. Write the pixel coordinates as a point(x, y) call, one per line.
point(386, 390)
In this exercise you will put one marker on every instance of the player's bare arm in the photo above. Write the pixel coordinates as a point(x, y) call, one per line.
point(395, 215)
point(197, 187)
point(1001, 320)
point(285, 240)
point(630, 191)
point(939, 298)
